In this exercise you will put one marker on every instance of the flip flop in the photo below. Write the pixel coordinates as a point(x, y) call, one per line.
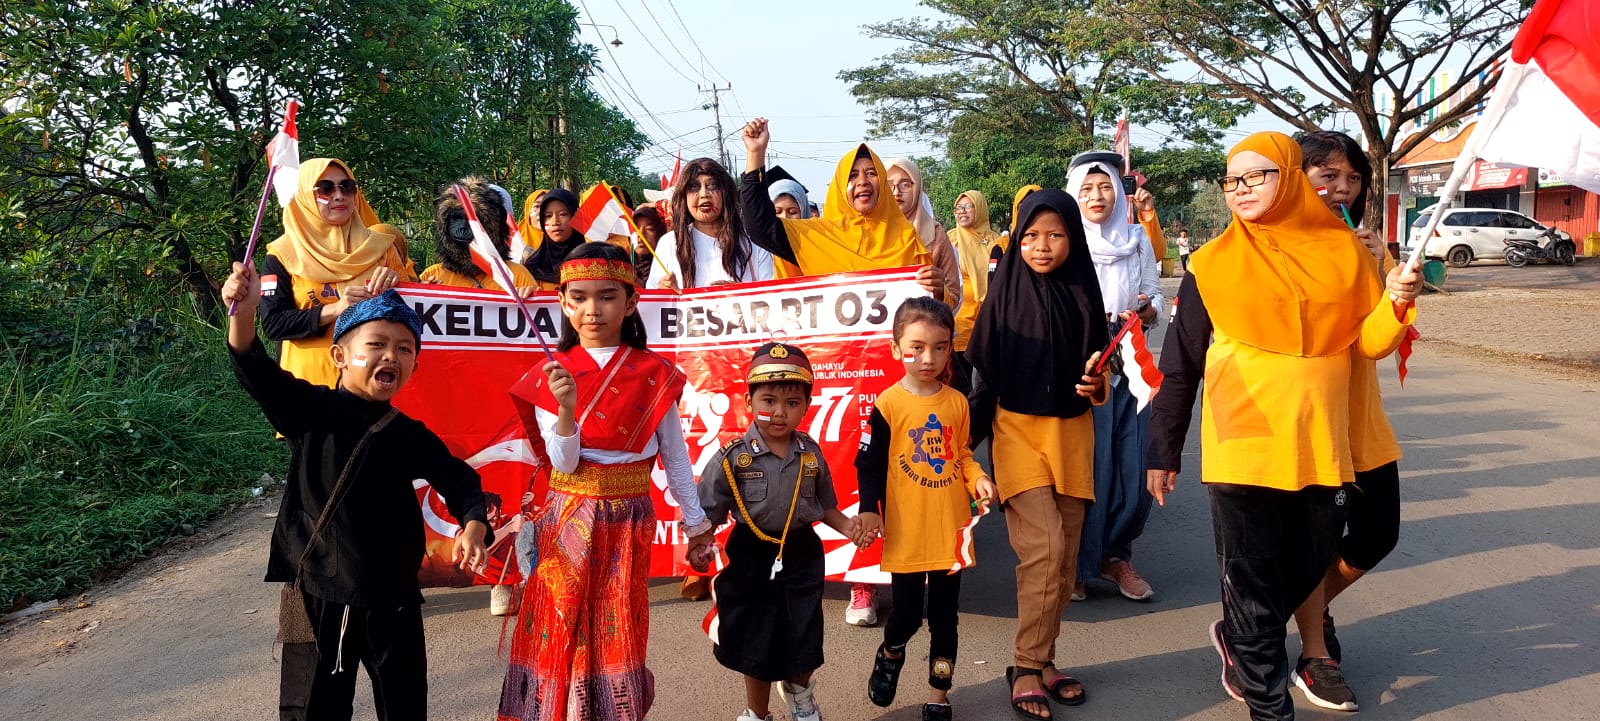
point(1018, 699)
point(1060, 684)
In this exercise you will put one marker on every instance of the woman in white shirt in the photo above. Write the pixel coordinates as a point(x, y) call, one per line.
point(718, 251)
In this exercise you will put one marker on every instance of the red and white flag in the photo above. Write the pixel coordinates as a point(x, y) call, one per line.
point(601, 214)
point(1138, 366)
point(484, 254)
point(1122, 143)
point(283, 157)
point(965, 554)
point(1549, 95)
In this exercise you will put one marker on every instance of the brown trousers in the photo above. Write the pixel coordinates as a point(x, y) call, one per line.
point(1045, 527)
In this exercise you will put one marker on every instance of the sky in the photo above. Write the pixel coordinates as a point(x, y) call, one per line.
point(782, 61)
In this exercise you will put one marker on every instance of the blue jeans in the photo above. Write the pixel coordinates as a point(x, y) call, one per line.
point(1121, 501)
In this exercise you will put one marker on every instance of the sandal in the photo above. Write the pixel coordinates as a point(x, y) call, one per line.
point(885, 676)
point(1018, 699)
point(1060, 684)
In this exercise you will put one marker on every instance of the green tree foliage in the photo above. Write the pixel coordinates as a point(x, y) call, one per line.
point(1307, 62)
point(1014, 88)
point(133, 129)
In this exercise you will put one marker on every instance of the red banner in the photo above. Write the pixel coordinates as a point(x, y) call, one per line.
point(477, 344)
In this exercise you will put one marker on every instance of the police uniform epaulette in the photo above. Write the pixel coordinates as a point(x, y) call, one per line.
point(805, 438)
point(730, 445)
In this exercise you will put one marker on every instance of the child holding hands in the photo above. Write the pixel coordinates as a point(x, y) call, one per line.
point(768, 600)
point(918, 478)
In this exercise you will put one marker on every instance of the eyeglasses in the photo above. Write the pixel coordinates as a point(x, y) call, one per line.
point(964, 206)
point(1250, 179)
point(325, 187)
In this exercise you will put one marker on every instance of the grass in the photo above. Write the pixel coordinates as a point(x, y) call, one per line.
point(113, 437)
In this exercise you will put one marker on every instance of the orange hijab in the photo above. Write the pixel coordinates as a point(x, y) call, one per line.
point(313, 249)
point(1295, 282)
point(844, 240)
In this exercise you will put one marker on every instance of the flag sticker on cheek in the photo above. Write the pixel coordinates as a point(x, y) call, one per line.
point(358, 360)
point(909, 359)
point(764, 417)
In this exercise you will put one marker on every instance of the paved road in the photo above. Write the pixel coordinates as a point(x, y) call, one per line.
point(1584, 277)
point(1486, 611)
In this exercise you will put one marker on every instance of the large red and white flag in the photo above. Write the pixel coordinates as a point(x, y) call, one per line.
point(601, 214)
point(1550, 95)
point(283, 157)
point(1138, 366)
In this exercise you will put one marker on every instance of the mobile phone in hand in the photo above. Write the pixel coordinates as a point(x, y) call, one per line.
point(1130, 185)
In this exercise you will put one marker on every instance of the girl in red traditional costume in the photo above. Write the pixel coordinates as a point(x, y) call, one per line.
point(602, 412)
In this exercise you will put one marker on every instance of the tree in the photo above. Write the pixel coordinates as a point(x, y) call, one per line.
point(1304, 61)
point(1014, 88)
point(134, 129)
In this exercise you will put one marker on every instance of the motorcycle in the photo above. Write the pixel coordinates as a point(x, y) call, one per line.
point(1548, 246)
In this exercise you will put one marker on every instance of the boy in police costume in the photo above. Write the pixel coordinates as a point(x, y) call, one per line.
point(775, 483)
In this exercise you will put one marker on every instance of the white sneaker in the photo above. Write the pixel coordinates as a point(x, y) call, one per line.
point(802, 701)
point(749, 715)
point(861, 611)
point(502, 600)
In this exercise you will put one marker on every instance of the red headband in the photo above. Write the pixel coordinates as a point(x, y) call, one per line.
point(597, 269)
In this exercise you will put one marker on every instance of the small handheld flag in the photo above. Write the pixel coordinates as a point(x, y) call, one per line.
point(283, 171)
point(488, 260)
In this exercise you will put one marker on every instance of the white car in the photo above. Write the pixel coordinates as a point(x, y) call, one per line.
point(1469, 234)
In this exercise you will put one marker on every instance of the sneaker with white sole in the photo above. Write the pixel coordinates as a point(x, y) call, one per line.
point(861, 611)
point(1129, 582)
point(802, 701)
point(1324, 685)
point(503, 600)
point(749, 715)
point(1230, 681)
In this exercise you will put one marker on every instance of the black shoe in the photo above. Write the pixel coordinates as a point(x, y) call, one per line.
point(1230, 677)
point(885, 676)
point(936, 712)
point(1324, 684)
point(1330, 639)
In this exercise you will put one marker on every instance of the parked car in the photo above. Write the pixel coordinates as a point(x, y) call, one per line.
point(1469, 234)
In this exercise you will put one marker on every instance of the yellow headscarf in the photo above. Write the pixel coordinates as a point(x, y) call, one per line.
point(312, 249)
point(532, 229)
point(1016, 202)
point(844, 240)
point(1296, 281)
point(974, 244)
point(400, 246)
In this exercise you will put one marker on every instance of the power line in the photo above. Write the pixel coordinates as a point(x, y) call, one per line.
point(646, 5)
point(652, 46)
point(690, 34)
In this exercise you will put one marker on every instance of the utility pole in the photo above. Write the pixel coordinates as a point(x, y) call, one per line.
point(715, 106)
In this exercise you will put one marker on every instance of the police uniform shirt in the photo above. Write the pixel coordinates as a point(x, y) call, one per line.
point(766, 482)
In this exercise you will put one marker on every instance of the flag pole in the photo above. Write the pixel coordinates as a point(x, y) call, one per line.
point(1464, 162)
point(255, 231)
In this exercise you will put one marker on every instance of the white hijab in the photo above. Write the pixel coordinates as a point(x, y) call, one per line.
point(1114, 245)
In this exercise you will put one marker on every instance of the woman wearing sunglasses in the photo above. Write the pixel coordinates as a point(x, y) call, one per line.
point(326, 260)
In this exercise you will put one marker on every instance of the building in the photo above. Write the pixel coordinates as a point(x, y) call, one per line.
point(1416, 180)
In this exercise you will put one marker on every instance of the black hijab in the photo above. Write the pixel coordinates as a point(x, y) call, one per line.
point(545, 263)
point(1035, 331)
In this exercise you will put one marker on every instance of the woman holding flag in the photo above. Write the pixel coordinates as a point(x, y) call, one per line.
point(326, 260)
point(1290, 296)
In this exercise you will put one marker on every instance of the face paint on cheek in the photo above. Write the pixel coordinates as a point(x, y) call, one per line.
point(909, 359)
point(764, 417)
point(359, 361)
point(322, 201)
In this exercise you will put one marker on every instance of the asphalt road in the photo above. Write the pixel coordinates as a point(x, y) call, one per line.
point(1582, 277)
point(1488, 609)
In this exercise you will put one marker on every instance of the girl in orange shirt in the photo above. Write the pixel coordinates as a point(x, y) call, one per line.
point(917, 480)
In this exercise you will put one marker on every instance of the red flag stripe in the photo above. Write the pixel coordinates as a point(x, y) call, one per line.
point(1563, 36)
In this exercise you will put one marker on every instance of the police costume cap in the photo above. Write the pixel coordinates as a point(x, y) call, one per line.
point(779, 363)
point(389, 306)
point(1111, 159)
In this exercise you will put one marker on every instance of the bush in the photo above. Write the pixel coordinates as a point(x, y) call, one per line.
point(114, 434)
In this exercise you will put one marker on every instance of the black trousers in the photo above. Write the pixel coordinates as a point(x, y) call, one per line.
point(387, 641)
point(905, 617)
point(1373, 523)
point(1272, 550)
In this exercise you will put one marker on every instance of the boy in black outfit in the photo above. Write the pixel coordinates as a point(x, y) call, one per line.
point(353, 568)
